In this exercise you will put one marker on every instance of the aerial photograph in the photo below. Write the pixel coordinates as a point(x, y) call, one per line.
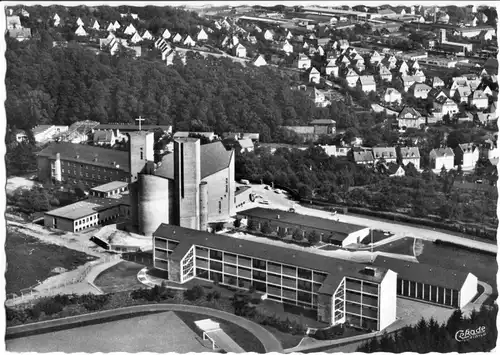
point(219, 177)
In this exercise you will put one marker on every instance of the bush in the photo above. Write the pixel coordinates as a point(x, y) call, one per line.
point(13, 314)
point(214, 295)
point(50, 306)
point(93, 302)
point(195, 293)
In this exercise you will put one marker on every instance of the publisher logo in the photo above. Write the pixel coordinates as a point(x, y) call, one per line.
point(469, 334)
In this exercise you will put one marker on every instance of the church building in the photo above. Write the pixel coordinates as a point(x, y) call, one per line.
point(189, 188)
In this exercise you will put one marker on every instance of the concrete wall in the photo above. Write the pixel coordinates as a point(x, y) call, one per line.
point(219, 194)
point(134, 203)
point(204, 206)
point(325, 308)
point(356, 237)
point(468, 290)
point(140, 142)
point(153, 207)
point(174, 270)
point(387, 300)
point(57, 168)
point(62, 223)
point(187, 177)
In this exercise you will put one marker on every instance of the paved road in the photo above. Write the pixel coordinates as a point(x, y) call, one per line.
point(268, 340)
point(281, 201)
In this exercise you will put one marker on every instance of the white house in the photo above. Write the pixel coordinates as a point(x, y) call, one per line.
point(287, 47)
point(130, 30)
point(314, 76)
point(407, 81)
point(166, 34)
point(420, 91)
point(479, 99)
point(332, 69)
point(351, 78)
point(445, 106)
point(117, 25)
point(57, 20)
point(442, 157)
point(384, 73)
point(188, 41)
point(147, 36)
point(367, 83)
point(269, 35)
point(304, 62)
point(259, 61)
point(240, 51)
point(80, 31)
point(392, 96)
point(136, 38)
point(96, 26)
point(376, 57)
point(177, 38)
point(467, 155)
point(202, 35)
point(79, 22)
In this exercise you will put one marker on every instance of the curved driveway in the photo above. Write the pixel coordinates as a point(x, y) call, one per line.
point(268, 340)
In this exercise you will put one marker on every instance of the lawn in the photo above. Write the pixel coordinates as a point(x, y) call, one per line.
point(121, 277)
point(241, 336)
point(30, 260)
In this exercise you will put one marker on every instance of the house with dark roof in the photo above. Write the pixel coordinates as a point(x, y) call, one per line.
point(431, 283)
point(106, 137)
point(69, 162)
point(440, 157)
point(388, 154)
point(466, 155)
point(363, 157)
point(410, 118)
point(420, 91)
point(409, 155)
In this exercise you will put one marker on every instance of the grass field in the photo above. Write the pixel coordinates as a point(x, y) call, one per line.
point(242, 337)
point(121, 277)
point(30, 260)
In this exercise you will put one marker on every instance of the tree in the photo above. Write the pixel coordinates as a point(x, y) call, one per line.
point(194, 293)
point(298, 235)
point(282, 233)
point(266, 228)
point(313, 237)
point(252, 225)
point(237, 223)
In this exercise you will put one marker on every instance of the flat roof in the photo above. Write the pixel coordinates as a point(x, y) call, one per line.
point(335, 268)
point(110, 186)
point(427, 274)
point(85, 208)
point(339, 230)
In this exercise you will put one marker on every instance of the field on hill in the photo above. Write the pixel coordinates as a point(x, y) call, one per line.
point(29, 260)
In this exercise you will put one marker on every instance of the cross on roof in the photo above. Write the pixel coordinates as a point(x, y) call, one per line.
point(140, 119)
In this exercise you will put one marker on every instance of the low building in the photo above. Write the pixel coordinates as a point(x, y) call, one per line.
point(367, 83)
point(111, 189)
point(444, 106)
point(181, 134)
point(352, 78)
point(314, 76)
point(340, 291)
point(392, 96)
point(407, 81)
point(245, 145)
point(410, 118)
point(363, 157)
point(442, 157)
point(85, 214)
point(430, 283)
point(466, 155)
point(304, 62)
point(323, 126)
point(47, 133)
point(420, 91)
point(388, 154)
point(409, 155)
point(479, 99)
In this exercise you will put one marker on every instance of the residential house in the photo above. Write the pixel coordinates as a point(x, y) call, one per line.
point(409, 155)
point(106, 137)
point(320, 51)
point(202, 36)
point(403, 68)
point(166, 34)
point(367, 83)
point(314, 75)
point(323, 41)
point(163, 46)
point(375, 57)
point(479, 99)
point(168, 56)
point(437, 93)
point(269, 35)
point(483, 119)
point(287, 47)
point(436, 82)
point(384, 73)
point(420, 91)
point(259, 61)
point(410, 118)
point(352, 78)
point(419, 76)
point(57, 20)
point(136, 38)
point(111, 27)
point(443, 105)
point(319, 98)
point(392, 96)
point(177, 38)
point(466, 155)
point(21, 136)
point(117, 25)
point(289, 35)
point(304, 62)
point(388, 154)
point(343, 44)
point(20, 34)
point(394, 170)
point(407, 82)
point(456, 83)
point(464, 116)
point(442, 157)
point(95, 25)
point(146, 35)
point(80, 31)
point(79, 22)
point(245, 145)
point(462, 94)
point(414, 65)
point(363, 157)
point(239, 51)
point(188, 41)
point(474, 83)
point(332, 69)
point(47, 133)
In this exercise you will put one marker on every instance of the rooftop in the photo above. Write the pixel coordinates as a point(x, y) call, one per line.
point(110, 186)
point(131, 127)
point(427, 274)
point(88, 154)
point(339, 230)
point(336, 268)
point(85, 208)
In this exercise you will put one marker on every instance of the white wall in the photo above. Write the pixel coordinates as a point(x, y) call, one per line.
point(388, 300)
point(353, 237)
point(468, 290)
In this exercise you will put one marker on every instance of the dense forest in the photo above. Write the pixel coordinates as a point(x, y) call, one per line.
point(430, 336)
